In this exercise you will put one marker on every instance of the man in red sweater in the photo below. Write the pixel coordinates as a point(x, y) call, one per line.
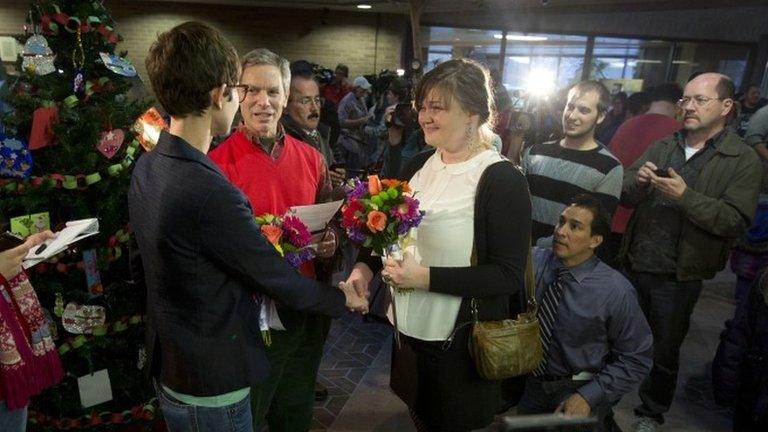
point(631, 140)
point(276, 171)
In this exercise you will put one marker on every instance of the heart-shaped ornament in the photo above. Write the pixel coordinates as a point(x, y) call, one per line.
point(110, 142)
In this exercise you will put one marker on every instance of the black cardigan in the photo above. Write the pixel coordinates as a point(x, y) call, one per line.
point(502, 237)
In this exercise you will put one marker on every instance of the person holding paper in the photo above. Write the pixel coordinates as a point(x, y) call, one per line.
point(202, 252)
point(27, 352)
point(276, 171)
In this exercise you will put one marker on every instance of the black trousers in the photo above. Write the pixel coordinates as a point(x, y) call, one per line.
point(667, 304)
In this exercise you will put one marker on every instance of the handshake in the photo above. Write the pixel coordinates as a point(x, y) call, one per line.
point(355, 301)
point(355, 288)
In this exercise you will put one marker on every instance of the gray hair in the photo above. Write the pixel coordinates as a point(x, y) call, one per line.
point(263, 56)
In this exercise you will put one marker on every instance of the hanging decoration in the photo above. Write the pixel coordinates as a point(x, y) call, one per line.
point(15, 157)
point(148, 128)
point(118, 65)
point(82, 319)
point(43, 121)
point(78, 61)
point(110, 142)
point(37, 56)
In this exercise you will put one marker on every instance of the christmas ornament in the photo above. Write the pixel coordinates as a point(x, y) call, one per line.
point(15, 157)
point(110, 142)
point(37, 56)
point(30, 223)
point(148, 128)
point(78, 60)
point(142, 358)
point(80, 319)
point(118, 65)
point(43, 120)
point(58, 307)
point(92, 276)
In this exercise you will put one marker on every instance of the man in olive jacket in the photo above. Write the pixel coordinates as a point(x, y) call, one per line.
point(694, 193)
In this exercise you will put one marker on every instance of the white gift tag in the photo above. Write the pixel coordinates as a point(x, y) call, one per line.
point(95, 388)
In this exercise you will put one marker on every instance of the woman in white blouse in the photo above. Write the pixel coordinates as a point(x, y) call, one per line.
point(472, 243)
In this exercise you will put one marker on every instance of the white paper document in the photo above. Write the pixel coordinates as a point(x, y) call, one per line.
point(317, 216)
point(72, 232)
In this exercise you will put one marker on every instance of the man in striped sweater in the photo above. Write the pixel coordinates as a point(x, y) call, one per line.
point(559, 170)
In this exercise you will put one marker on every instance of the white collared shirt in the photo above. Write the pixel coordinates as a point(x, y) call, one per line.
point(446, 192)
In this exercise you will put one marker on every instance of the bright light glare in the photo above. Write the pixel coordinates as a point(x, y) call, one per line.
point(364, 6)
point(400, 72)
point(540, 82)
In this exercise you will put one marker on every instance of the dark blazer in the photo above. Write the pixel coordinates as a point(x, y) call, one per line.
point(204, 257)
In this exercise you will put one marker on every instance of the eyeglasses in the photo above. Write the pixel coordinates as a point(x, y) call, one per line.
point(698, 101)
point(306, 100)
point(240, 89)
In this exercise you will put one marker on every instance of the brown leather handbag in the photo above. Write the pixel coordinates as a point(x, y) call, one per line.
point(510, 347)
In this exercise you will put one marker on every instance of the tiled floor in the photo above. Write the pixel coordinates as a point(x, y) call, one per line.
point(350, 350)
point(355, 369)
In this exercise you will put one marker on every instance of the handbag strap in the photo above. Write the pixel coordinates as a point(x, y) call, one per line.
point(530, 284)
point(529, 304)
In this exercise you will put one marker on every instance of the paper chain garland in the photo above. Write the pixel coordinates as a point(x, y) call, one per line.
point(115, 251)
point(52, 21)
point(121, 325)
point(71, 182)
point(143, 412)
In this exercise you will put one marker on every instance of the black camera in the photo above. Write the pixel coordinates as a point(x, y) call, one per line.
point(403, 116)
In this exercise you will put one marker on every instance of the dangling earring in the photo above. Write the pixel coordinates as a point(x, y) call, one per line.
point(468, 137)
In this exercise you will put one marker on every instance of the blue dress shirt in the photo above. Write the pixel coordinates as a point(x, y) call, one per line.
point(599, 328)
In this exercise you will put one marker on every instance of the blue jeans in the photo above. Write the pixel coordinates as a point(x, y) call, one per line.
point(181, 417)
point(12, 421)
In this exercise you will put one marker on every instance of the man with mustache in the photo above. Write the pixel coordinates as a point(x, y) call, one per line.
point(276, 171)
point(694, 192)
point(301, 119)
point(559, 170)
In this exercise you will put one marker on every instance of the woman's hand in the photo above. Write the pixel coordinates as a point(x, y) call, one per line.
point(11, 259)
point(406, 273)
point(359, 278)
point(353, 301)
point(326, 242)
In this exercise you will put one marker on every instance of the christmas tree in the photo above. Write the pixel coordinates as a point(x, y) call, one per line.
point(66, 154)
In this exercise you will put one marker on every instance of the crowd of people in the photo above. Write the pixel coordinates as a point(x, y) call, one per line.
point(636, 202)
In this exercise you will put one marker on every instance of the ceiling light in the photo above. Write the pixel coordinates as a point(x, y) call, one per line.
point(364, 6)
point(521, 38)
point(540, 83)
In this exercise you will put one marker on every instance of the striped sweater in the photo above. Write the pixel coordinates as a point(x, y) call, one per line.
point(556, 174)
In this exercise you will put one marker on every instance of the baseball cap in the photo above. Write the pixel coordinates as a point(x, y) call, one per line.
point(362, 83)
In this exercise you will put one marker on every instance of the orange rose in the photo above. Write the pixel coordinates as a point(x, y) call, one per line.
point(391, 182)
point(377, 221)
point(272, 233)
point(374, 185)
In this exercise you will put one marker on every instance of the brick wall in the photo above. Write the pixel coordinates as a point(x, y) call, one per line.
point(366, 42)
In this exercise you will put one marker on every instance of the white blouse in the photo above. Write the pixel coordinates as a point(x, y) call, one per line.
point(443, 239)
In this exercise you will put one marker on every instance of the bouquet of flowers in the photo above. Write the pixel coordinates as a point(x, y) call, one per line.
point(379, 213)
point(291, 238)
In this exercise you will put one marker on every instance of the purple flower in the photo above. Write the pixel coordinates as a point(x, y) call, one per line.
point(356, 234)
point(357, 189)
point(297, 258)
